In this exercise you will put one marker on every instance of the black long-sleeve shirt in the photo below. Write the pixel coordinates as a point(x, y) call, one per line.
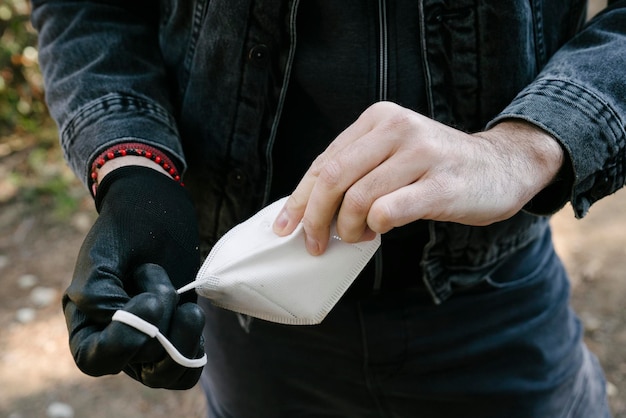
point(349, 55)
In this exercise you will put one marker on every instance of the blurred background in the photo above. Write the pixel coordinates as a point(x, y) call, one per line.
point(45, 213)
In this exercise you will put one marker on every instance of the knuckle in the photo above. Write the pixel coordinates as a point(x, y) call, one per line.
point(440, 198)
point(440, 187)
point(296, 203)
point(313, 227)
point(356, 200)
point(87, 299)
point(380, 218)
point(88, 362)
point(318, 164)
point(400, 120)
point(192, 316)
point(330, 174)
point(383, 106)
point(88, 367)
point(349, 233)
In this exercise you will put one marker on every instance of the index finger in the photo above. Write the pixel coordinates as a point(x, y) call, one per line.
point(296, 206)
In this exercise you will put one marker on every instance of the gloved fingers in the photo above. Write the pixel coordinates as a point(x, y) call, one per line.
point(99, 350)
point(97, 296)
point(153, 279)
point(185, 333)
point(97, 286)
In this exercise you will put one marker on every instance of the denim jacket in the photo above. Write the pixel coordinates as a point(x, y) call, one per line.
point(206, 80)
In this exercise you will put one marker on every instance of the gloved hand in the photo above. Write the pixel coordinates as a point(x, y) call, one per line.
point(142, 247)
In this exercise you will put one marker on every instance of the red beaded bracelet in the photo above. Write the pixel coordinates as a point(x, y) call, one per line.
point(136, 149)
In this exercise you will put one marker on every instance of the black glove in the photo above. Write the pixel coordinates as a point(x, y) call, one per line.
point(142, 247)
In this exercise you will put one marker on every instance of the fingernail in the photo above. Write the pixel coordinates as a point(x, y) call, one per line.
point(281, 222)
point(312, 246)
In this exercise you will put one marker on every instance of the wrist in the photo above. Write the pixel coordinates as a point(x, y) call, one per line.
point(553, 187)
point(537, 150)
point(124, 161)
point(131, 154)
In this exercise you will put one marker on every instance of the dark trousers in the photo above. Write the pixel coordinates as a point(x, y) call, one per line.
point(510, 347)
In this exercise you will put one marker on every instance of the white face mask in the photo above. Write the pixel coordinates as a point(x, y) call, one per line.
point(253, 271)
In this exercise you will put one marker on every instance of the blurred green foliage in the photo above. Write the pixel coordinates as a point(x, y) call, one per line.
point(22, 105)
point(32, 170)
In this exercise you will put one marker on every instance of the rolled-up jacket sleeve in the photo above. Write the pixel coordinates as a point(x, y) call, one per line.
point(580, 98)
point(104, 77)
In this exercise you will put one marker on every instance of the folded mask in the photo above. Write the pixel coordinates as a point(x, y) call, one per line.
point(253, 271)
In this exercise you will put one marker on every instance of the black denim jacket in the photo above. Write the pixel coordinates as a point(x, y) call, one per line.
point(206, 82)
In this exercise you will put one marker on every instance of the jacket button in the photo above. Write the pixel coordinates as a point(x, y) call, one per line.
point(236, 177)
point(258, 54)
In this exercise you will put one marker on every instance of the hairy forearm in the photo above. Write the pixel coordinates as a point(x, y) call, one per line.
point(530, 149)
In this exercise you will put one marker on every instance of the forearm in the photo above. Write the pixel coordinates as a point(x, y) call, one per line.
point(579, 99)
point(538, 152)
point(104, 77)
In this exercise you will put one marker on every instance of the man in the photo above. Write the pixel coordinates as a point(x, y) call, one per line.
point(452, 128)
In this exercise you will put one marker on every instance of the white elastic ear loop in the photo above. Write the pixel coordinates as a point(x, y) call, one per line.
point(187, 287)
point(152, 331)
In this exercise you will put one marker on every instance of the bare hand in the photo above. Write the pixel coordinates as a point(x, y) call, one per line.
point(394, 166)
